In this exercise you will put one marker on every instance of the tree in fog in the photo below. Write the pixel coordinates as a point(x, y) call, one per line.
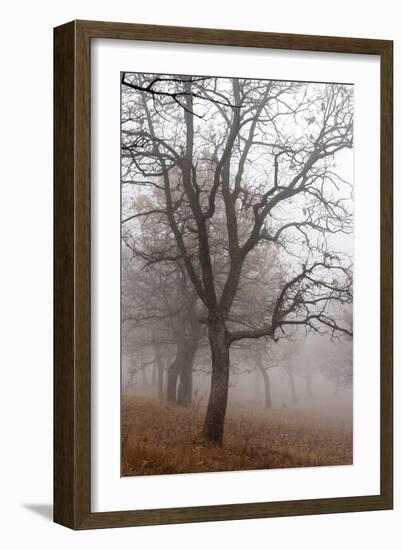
point(160, 312)
point(146, 334)
point(264, 363)
point(338, 366)
point(226, 169)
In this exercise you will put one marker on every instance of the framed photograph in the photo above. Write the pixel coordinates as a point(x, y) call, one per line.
point(222, 275)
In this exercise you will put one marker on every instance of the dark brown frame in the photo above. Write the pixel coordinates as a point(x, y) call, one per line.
point(72, 321)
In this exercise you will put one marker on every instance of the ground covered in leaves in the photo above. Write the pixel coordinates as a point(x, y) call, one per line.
point(164, 438)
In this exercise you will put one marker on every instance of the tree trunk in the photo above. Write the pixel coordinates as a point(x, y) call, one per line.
point(182, 370)
point(213, 429)
point(172, 378)
point(266, 381)
point(185, 385)
point(176, 367)
point(291, 381)
point(160, 374)
point(185, 388)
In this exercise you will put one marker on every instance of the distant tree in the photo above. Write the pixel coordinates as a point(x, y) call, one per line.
point(263, 367)
point(338, 365)
point(160, 312)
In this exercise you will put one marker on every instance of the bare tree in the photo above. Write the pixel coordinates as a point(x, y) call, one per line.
point(225, 167)
point(160, 311)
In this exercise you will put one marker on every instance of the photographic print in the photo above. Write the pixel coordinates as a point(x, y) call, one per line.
point(236, 274)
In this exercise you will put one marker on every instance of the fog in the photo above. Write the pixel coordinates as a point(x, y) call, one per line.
point(237, 267)
point(311, 373)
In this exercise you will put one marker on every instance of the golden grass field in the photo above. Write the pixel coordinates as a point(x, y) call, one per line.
point(164, 438)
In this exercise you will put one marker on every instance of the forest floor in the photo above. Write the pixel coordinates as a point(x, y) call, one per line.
point(164, 438)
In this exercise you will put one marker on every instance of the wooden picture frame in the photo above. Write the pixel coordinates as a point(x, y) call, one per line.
point(72, 269)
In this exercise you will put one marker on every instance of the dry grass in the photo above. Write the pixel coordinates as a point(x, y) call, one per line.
point(163, 438)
